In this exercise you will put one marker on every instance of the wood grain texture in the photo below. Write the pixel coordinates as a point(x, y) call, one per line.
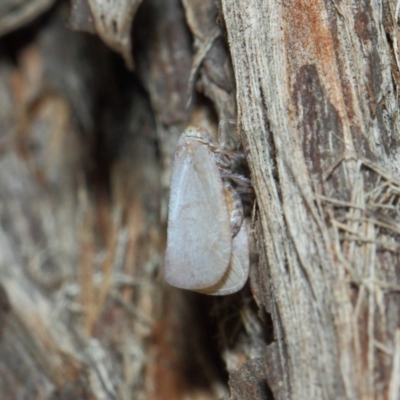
point(86, 150)
point(314, 111)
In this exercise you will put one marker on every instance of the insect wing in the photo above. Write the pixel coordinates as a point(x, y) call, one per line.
point(238, 271)
point(199, 243)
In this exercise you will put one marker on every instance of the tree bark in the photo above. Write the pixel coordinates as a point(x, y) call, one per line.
point(317, 112)
point(88, 129)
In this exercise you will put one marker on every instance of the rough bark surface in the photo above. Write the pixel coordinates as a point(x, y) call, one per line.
point(318, 114)
point(88, 128)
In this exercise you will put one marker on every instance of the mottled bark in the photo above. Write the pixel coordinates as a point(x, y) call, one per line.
point(317, 106)
point(93, 97)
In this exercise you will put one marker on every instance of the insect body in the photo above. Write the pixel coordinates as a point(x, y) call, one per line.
point(207, 244)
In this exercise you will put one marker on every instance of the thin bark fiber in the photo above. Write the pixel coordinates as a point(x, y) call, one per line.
point(318, 111)
point(93, 97)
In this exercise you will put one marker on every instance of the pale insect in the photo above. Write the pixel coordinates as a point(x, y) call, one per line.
point(207, 243)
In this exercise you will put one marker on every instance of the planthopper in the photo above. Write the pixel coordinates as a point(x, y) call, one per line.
point(207, 241)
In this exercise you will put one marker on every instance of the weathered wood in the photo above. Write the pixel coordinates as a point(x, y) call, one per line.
point(113, 23)
point(85, 152)
point(317, 111)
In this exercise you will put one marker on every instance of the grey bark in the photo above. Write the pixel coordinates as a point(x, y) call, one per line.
point(87, 136)
point(318, 111)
